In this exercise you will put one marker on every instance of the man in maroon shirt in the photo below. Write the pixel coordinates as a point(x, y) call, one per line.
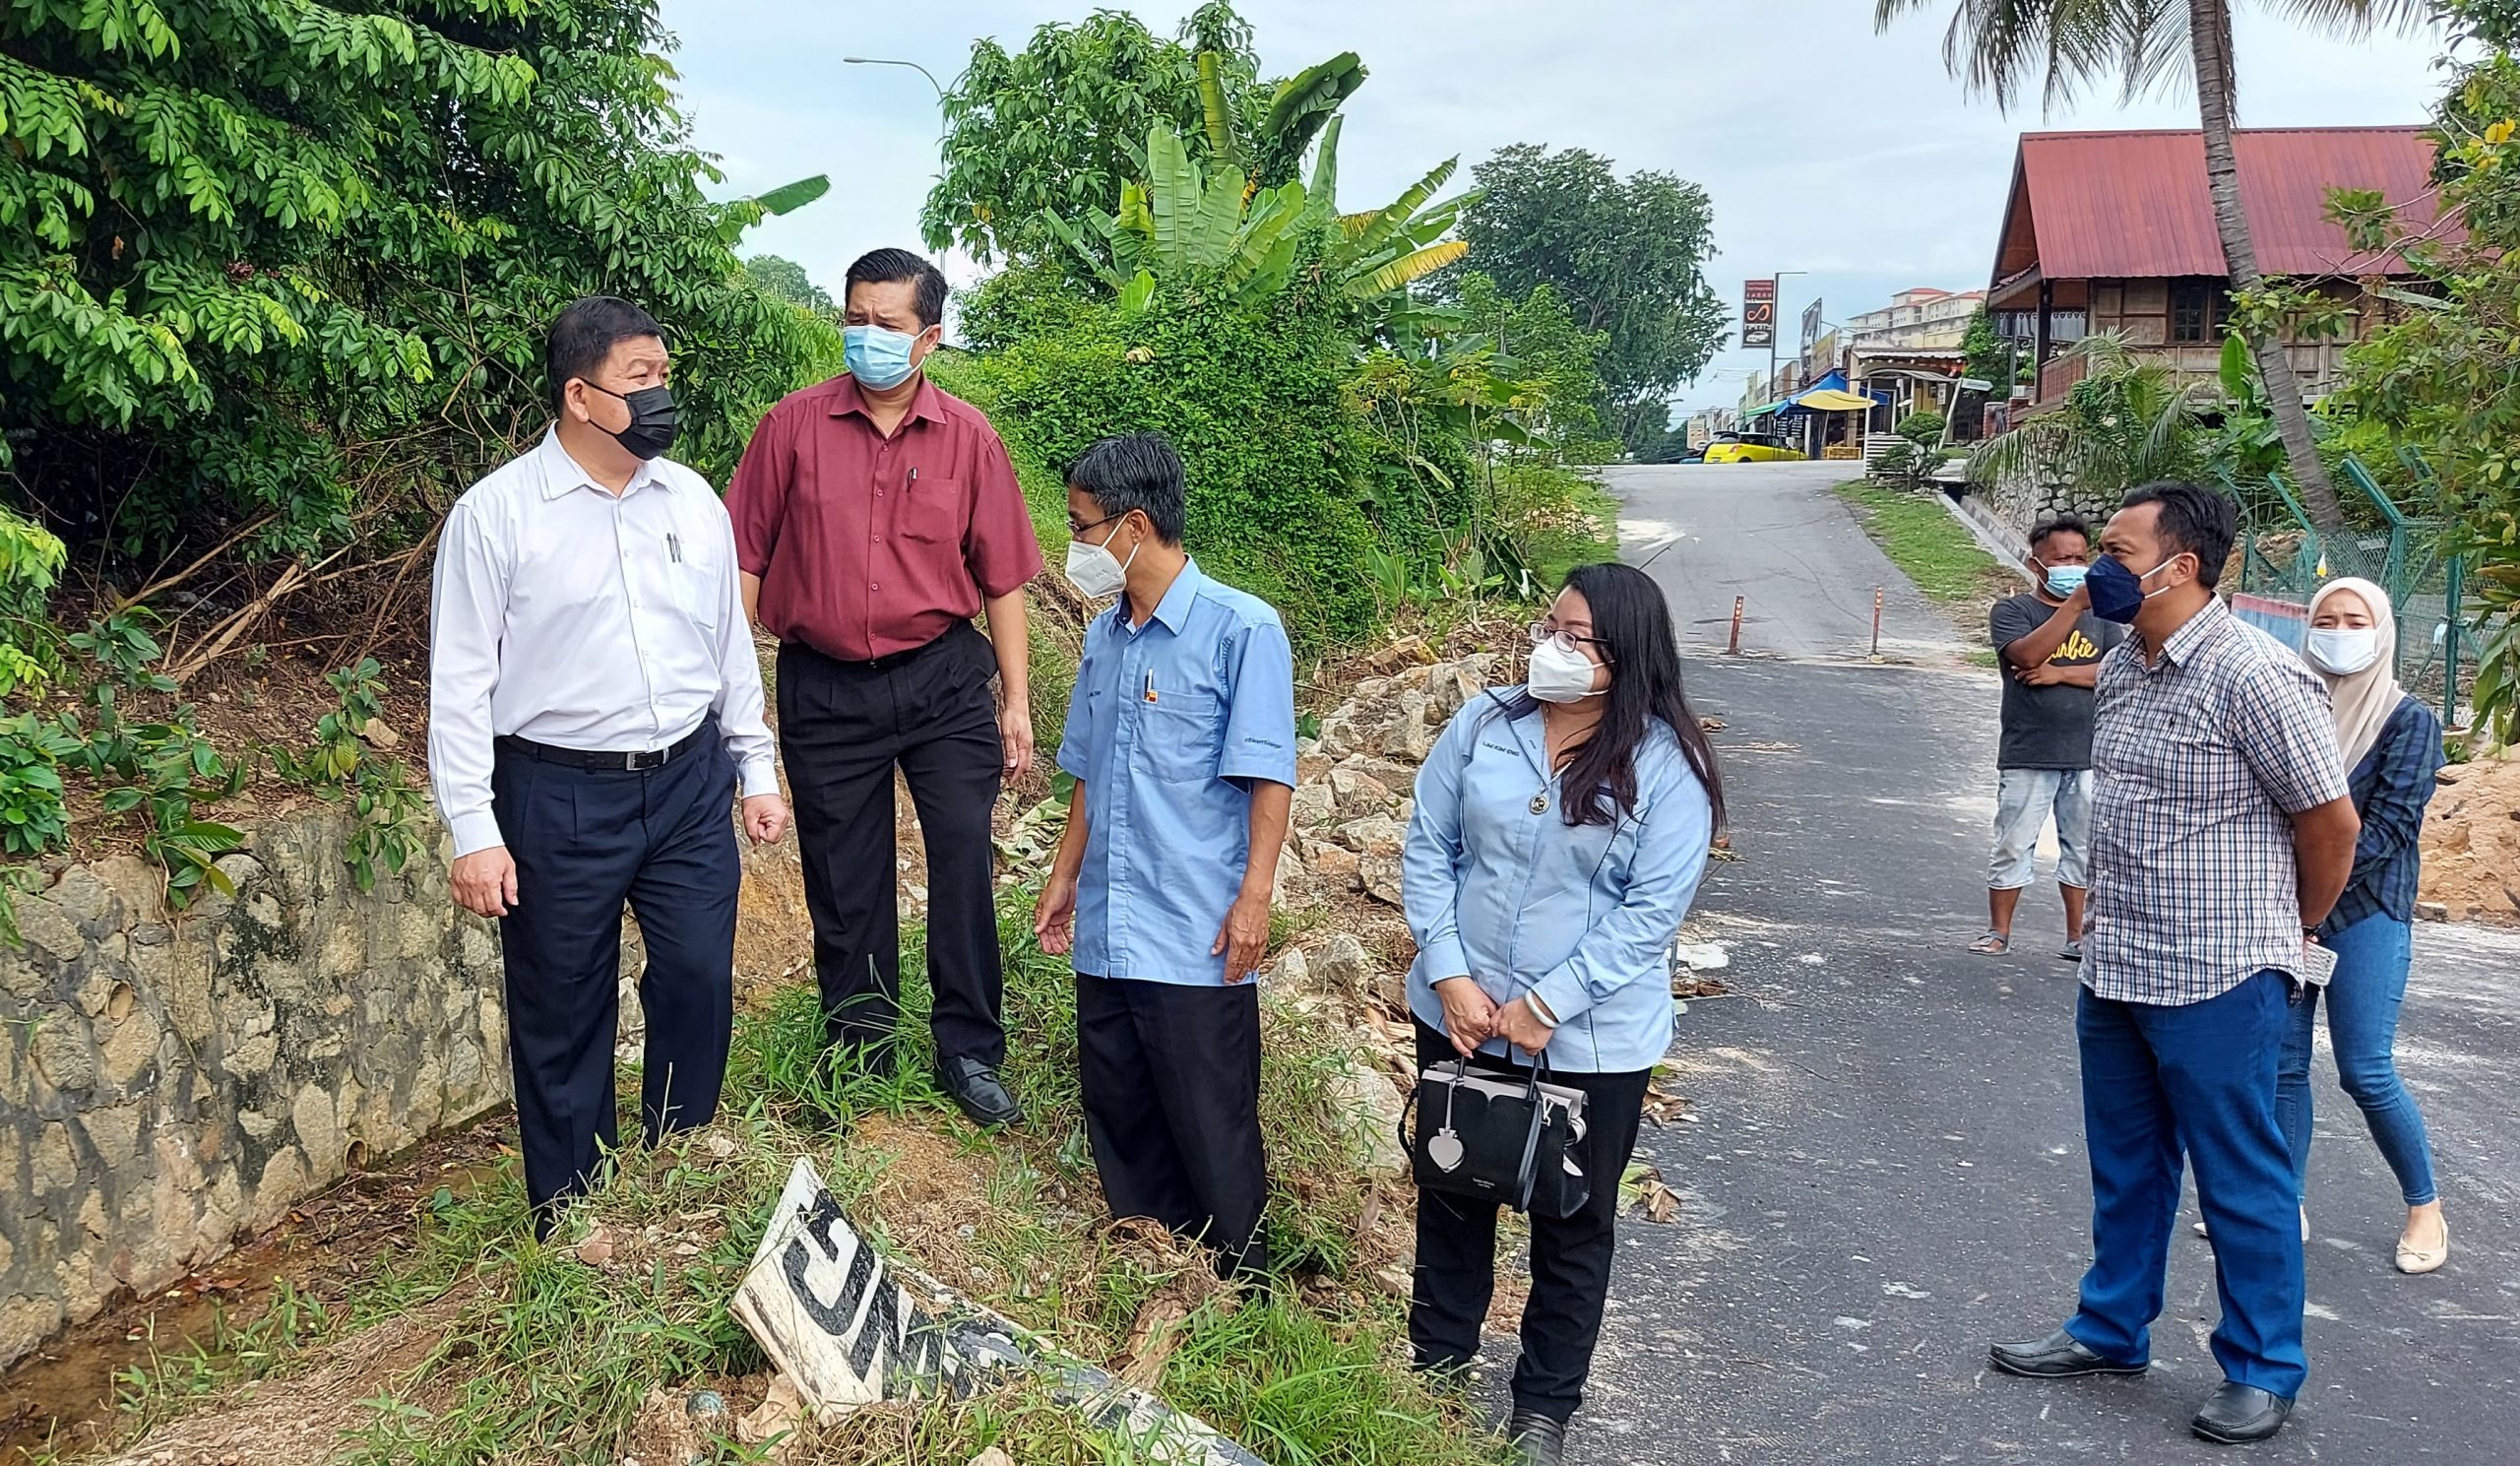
point(875, 516)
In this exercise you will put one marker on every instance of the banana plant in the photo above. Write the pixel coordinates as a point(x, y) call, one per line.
point(1182, 225)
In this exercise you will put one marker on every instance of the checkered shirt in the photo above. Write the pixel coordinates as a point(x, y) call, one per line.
point(2197, 762)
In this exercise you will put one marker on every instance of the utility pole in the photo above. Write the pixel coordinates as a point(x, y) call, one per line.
point(1775, 283)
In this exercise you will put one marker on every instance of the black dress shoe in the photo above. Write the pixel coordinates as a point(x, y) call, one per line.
point(2238, 1414)
point(1537, 1439)
point(975, 1087)
point(2059, 1356)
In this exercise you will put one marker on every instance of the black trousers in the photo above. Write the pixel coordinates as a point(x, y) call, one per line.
point(586, 842)
point(1456, 1272)
point(1171, 1082)
point(844, 726)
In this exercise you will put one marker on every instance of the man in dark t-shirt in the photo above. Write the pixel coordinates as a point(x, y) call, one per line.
point(2051, 646)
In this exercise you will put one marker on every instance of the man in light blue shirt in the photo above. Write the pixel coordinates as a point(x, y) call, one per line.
point(1181, 739)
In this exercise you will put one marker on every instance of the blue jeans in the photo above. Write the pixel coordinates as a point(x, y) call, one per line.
point(2198, 1077)
point(2372, 958)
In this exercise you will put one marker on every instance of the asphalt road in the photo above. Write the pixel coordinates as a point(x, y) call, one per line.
point(1887, 1167)
point(1773, 535)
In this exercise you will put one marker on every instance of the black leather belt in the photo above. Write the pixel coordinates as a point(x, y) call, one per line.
point(587, 758)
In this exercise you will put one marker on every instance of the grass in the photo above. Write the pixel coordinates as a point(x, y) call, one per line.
point(536, 1349)
point(1929, 546)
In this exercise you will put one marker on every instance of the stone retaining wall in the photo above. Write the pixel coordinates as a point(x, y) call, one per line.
point(169, 1085)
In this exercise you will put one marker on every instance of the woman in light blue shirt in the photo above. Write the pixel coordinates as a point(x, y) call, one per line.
point(1560, 832)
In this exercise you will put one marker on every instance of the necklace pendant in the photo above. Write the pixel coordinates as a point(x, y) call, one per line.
point(1539, 803)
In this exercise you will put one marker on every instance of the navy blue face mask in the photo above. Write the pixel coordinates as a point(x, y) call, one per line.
point(2117, 594)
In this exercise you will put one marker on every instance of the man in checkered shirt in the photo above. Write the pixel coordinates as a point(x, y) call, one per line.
point(2222, 832)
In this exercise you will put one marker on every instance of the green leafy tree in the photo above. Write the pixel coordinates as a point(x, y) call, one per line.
point(284, 269)
point(2008, 48)
point(782, 279)
point(1627, 256)
point(1539, 342)
point(1988, 357)
point(1058, 124)
point(2444, 378)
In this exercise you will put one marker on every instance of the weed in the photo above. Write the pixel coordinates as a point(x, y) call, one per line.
point(388, 803)
point(1927, 544)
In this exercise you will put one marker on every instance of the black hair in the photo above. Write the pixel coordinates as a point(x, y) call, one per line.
point(2062, 524)
point(1137, 471)
point(885, 265)
point(582, 337)
point(2194, 519)
point(1633, 621)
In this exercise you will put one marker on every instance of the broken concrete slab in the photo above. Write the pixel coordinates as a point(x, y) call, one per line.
point(849, 1328)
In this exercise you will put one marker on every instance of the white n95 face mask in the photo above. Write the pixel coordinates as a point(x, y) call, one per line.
point(1558, 675)
point(1094, 570)
point(2343, 651)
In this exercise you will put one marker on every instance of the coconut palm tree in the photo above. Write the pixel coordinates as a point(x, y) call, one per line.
point(2002, 47)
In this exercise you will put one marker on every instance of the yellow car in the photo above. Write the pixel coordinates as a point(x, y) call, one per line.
point(1734, 448)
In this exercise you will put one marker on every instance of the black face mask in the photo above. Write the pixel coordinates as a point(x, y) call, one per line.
point(652, 420)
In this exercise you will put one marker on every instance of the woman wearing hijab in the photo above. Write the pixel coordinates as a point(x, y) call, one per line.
point(2393, 743)
point(1561, 831)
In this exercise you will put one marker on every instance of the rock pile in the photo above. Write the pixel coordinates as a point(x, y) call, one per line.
point(1351, 801)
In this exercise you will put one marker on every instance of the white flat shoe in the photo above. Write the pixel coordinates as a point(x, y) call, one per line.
point(2418, 1261)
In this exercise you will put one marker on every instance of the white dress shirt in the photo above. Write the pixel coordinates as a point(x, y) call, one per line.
point(574, 617)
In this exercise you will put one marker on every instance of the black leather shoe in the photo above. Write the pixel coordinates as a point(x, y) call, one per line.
point(2238, 1414)
point(975, 1087)
point(1537, 1439)
point(2059, 1356)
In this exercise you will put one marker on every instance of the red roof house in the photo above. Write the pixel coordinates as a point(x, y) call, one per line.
point(2114, 231)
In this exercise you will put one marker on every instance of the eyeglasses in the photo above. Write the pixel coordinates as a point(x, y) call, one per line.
point(1075, 529)
point(1544, 633)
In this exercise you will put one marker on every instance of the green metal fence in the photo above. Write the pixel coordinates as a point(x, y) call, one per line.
point(2285, 558)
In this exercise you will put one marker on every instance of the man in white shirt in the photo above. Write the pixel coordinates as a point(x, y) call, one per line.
point(593, 702)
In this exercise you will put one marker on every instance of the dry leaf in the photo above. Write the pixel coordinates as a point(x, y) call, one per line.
point(781, 1412)
point(596, 1250)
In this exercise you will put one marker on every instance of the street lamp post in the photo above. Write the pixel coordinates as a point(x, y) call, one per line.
point(1776, 287)
point(942, 123)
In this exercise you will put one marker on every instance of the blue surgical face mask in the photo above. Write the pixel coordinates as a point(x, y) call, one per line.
point(877, 356)
point(2064, 579)
point(2117, 594)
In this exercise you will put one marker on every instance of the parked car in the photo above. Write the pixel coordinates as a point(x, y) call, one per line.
point(1732, 447)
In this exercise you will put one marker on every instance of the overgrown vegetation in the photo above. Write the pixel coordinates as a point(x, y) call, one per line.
point(273, 287)
point(501, 1341)
point(1359, 438)
point(1928, 545)
point(2445, 379)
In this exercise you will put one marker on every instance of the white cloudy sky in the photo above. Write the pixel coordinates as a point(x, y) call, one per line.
point(1825, 147)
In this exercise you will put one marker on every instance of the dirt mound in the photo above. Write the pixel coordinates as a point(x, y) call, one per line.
point(2471, 843)
point(304, 1417)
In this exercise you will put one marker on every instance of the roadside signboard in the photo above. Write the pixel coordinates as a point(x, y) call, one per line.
point(1810, 325)
point(1758, 313)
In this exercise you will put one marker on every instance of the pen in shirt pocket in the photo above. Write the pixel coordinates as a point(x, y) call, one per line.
point(673, 546)
point(1150, 684)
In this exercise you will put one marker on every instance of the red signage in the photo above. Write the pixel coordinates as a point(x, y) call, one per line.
point(1758, 313)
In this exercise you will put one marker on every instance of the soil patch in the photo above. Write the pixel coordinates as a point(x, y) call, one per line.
point(62, 1397)
point(2472, 845)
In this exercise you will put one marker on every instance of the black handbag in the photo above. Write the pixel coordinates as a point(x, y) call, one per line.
point(1499, 1138)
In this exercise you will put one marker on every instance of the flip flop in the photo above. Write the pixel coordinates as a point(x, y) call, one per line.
point(1992, 945)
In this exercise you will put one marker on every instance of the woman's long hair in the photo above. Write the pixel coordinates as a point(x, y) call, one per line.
point(1634, 623)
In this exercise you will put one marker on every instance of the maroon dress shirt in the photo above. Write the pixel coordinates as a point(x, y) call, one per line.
point(868, 545)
